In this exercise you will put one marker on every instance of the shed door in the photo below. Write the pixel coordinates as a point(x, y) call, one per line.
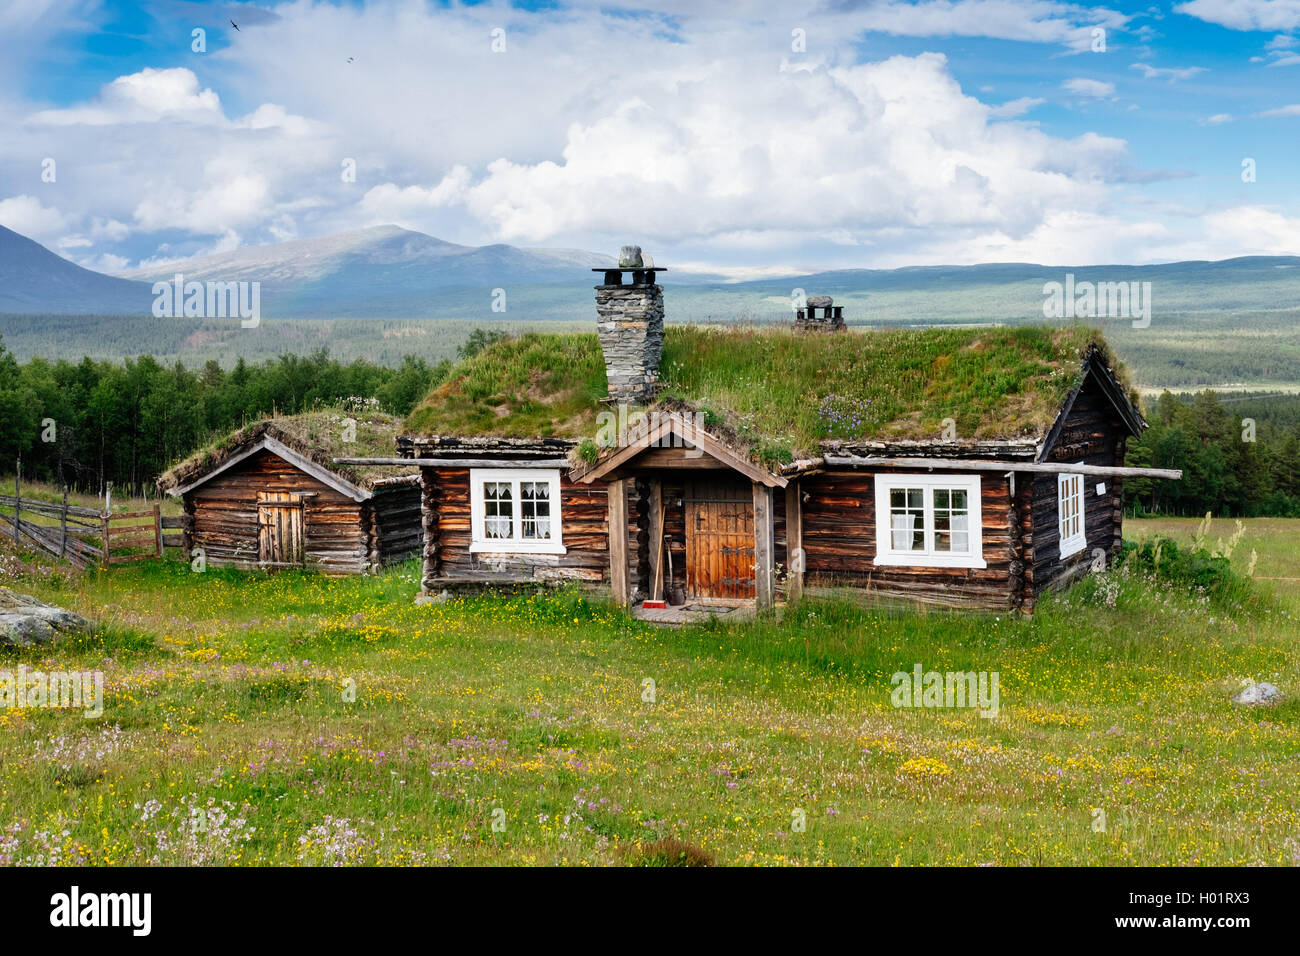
point(720, 539)
point(279, 528)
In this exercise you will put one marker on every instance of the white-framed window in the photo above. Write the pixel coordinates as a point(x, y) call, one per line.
point(1069, 513)
point(929, 521)
point(515, 510)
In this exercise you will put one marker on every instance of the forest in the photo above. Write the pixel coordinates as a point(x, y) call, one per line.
point(1240, 456)
point(90, 422)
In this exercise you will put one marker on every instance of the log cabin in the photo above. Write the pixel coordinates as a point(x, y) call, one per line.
point(971, 467)
point(270, 496)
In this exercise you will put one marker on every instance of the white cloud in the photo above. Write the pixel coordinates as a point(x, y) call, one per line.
point(1245, 14)
point(29, 216)
point(1218, 119)
point(1035, 21)
point(1280, 42)
point(1091, 89)
point(1017, 107)
point(1291, 110)
point(1171, 73)
point(143, 97)
point(720, 147)
point(409, 206)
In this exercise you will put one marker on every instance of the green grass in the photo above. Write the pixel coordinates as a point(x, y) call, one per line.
point(230, 693)
point(780, 391)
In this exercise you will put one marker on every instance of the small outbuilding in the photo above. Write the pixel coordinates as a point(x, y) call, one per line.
point(271, 496)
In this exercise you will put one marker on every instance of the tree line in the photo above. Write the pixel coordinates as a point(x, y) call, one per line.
point(90, 422)
point(1240, 456)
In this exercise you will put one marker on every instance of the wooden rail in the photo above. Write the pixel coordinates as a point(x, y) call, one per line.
point(88, 536)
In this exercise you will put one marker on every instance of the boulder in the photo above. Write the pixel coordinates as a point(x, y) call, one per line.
point(1262, 693)
point(629, 257)
point(25, 621)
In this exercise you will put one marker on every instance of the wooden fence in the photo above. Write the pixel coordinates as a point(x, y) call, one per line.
point(88, 536)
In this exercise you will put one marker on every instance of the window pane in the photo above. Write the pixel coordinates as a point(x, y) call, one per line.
point(535, 509)
point(907, 519)
point(950, 515)
point(498, 510)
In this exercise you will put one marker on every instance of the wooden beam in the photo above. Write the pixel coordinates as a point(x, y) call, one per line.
point(459, 462)
point(1047, 467)
point(794, 555)
point(764, 549)
point(668, 426)
point(656, 539)
point(618, 576)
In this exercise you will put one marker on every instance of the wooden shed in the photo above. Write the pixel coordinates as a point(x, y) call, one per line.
point(270, 495)
point(973, 467)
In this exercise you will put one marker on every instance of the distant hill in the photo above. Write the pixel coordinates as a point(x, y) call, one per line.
point(384, 272)
point(33, 279)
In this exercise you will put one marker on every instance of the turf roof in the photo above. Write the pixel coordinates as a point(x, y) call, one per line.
point(317, 435)
point(781, 391)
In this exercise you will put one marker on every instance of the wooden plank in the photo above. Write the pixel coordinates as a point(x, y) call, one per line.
point(764, 547)
point(460, 462)
point(932, 464)
point(618, 570)
point(794, 542)
point(656, 538)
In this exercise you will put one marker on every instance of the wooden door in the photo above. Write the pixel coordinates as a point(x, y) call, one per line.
point(279, 528)
point(720, 540)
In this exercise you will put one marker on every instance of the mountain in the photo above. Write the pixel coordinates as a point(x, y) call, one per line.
point(385, 271)
point(33, 279)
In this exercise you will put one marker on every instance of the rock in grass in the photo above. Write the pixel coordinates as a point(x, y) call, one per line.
point(1263, 693)
point(25, 621)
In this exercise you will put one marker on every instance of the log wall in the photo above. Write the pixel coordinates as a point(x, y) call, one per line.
point(397, 521)
point(839, 540)
point(449, 562)
point(1092, 435)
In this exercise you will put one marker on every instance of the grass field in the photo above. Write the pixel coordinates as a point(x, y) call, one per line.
point(292, 718)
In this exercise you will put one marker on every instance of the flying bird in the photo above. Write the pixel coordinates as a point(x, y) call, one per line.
point(235, 25)
point(350, 59)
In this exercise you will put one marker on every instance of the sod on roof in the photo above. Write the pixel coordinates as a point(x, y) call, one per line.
point(318, 435)
point(780, 391)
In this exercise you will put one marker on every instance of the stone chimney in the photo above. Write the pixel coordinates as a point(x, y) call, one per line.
point(630, 321)
point(831, 319)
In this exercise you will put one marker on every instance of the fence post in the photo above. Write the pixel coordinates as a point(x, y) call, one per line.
point(18, 497)
point(157, 528)
point(63, 525)
point(104, 521)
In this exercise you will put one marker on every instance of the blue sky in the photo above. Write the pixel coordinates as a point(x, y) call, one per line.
point(752, 138)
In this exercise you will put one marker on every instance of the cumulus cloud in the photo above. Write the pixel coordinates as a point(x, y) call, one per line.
point(1217, 119)
point(1245, 14)
point(143, 97)
point(722, 147)
point(29, 216)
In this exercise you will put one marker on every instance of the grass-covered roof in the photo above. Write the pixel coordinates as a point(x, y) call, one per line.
point(781, 391)
point(317, 435)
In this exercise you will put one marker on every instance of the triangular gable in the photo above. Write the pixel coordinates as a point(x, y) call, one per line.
point(666, 429)
point(1095, 369)
point(281, 450)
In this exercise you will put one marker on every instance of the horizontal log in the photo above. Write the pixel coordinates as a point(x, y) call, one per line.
point(460, 462)
point(931, 464)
